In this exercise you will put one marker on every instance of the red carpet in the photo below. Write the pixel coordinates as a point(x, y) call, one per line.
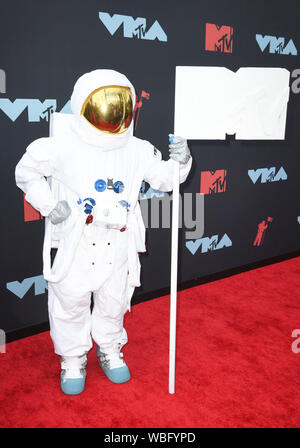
point(235, 366)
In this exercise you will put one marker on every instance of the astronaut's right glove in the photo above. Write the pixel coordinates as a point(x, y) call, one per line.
point(60, 212)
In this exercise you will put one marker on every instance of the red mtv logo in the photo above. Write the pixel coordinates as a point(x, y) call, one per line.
point(218, 38)
point(213, 182)
point(30, 213)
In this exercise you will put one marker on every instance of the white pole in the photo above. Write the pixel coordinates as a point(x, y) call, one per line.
point(174, 267)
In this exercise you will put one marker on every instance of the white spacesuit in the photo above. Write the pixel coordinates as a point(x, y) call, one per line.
point(94, 174)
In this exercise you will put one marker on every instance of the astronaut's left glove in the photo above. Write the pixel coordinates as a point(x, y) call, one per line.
point(179, 150)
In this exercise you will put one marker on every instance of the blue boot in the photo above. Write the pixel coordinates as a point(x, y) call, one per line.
point(73, 374)
point(113, 365)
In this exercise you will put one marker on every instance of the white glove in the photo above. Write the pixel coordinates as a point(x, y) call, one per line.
point(60, 212)
point(179, 150)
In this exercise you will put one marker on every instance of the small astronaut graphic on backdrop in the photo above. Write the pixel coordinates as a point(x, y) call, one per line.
point(86, 182)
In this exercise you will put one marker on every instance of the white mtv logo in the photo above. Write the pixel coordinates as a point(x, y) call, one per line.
point(251, 103)
point(132, 27)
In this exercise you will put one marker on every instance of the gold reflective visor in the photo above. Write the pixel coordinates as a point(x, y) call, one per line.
point(109, 109)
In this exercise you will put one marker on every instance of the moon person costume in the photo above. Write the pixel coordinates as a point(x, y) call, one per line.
point(86, 183)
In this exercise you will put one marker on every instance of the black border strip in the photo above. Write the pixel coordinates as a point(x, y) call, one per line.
point(143, 297)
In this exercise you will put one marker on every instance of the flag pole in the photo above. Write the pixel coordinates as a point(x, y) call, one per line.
point(174, 269)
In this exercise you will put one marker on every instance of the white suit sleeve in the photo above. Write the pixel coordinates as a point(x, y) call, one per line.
point(159, 173)
point(30, 173)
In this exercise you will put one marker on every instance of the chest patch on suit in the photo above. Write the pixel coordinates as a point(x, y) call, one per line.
point(101, 185)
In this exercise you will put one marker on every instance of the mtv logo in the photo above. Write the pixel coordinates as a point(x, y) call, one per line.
point(208, 244)
point(250, 103)
point(149, 193)
point(132, 27)
point(276, 45)
point(37, 110)
point(218, 38)
point(19, 289)
point(267, 175)
point(213, 182)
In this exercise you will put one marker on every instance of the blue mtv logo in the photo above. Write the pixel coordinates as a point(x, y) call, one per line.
point(36, 109)
point(276, 45)
point(267, 175)
point(19, 289)
point(132, 27)
point(149, 193)
point(209, 244)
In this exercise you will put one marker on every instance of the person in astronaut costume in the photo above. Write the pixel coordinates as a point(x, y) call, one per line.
point(87, 183)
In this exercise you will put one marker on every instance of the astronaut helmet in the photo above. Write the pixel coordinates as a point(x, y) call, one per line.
point(103, 103)
point(109, 109)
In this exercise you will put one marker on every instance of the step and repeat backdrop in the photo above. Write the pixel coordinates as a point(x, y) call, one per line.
point(250, 187)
